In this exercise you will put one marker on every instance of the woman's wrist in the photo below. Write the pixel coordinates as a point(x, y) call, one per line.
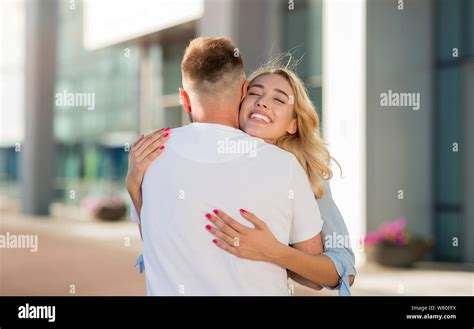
point(279, 254)
point(132, 188)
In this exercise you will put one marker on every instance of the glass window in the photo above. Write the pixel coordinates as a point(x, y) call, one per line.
point(297, 35)
point(304, 39)
point(315, 38)
point(448, 132)
point(470, 23)
point(448, 226)
point(174, 116)
point(449, 27)
point(451, 24)
point(172, 68)
point(90, 143)
point(448, 164)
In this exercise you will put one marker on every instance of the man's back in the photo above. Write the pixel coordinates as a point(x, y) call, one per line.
point(206, 167)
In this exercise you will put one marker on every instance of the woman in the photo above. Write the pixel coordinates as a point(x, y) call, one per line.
point(278, 110)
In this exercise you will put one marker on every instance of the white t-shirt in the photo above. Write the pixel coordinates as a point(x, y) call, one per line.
point(211, 166)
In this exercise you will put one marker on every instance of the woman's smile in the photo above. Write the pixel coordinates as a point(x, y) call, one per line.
point(260, 117)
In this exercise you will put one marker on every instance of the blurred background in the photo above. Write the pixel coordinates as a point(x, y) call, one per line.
point(80, 80)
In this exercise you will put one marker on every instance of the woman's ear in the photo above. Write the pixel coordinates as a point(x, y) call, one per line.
point(245, 88)
point(184, 100)
point(293, 127)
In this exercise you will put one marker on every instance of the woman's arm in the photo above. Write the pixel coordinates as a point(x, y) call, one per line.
point(260, 244)
point(136, 196)
point(143, 152)
point(336, 239)
point(317, 269)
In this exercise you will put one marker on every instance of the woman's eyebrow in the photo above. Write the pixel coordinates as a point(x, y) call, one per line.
point(276, 89)
point(257, 85)
point(281, 92)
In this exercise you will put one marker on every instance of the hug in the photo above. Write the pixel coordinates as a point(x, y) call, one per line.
point(222, 222)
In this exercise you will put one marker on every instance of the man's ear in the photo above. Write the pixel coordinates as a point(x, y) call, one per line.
point(184, 100)
point(293, 127)
point(245, 88)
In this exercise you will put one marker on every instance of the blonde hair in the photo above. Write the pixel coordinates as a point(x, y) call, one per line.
point(306, 144)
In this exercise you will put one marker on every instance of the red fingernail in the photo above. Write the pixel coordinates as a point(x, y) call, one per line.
point(167, 129)
point(243, 211)
point(166, 135)
point(208, 227)
point(216, 211)
point(162, 147)
point(215, 241)
point(208, 216)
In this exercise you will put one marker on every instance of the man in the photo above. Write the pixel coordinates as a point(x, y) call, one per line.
point(194, 176)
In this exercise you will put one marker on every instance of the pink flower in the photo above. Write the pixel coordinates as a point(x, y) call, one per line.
point(395, 232)
point(372, 238)
point(391, 230)
point(94, 204)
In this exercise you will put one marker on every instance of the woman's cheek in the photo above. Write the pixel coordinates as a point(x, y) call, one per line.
point(244, 113)
point(281, 124)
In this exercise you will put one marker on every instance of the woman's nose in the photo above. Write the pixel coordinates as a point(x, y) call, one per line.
point(260, 103)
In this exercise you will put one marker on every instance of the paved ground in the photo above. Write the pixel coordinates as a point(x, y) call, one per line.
point(75, 261)
point(96, 258)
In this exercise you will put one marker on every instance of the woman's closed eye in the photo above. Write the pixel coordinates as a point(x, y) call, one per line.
point(279, 100)
point(276, 99)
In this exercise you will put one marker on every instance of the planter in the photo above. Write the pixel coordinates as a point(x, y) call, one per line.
point(111, 213)
point(105, 208)
point(389, 254)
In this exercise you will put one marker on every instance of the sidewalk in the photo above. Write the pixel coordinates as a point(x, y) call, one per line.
point(98, 258)
point(92, 258)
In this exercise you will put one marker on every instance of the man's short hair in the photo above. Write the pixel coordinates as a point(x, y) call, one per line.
point(213, 65)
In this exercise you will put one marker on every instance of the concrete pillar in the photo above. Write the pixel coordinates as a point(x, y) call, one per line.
point(399, 139)
point(468, 149)
point(37, 152)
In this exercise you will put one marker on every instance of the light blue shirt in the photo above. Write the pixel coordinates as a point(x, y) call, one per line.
point(341, 255)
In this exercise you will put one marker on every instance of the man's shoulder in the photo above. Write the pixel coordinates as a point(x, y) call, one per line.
point(275, 154)
point(181, 134)
point(179, 130)
point(276, 151)
point(234, 140)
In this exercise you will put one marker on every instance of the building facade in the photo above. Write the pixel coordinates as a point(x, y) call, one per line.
point(398, 160)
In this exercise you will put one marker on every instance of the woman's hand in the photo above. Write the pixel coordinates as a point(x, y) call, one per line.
point(311, 269)
point(143, 152)
point(242, 241)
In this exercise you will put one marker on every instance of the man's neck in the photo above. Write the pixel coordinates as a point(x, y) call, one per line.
point(221, 121)
point(219, 116)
